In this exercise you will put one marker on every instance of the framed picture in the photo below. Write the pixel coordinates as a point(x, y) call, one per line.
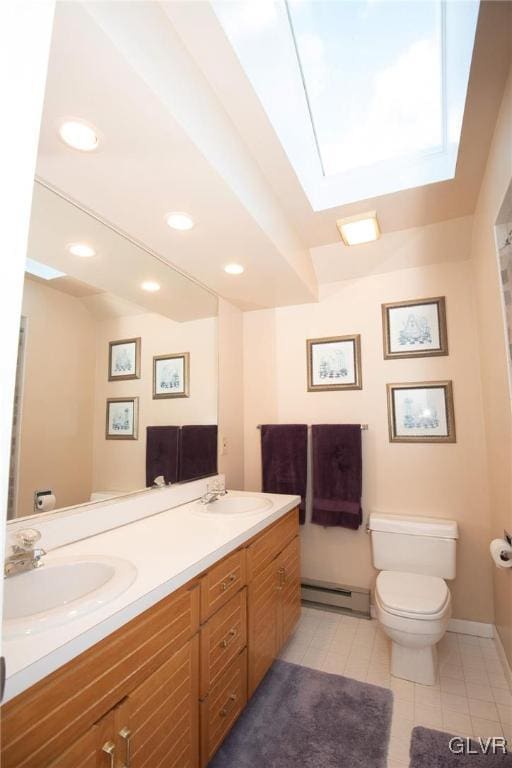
point(122, 418)
point(334, 363)
point(421, 412)
point(415, 328)
point(124, 359)
point(171, 375)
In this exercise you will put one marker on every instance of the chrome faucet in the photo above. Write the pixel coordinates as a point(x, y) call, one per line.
point(24, 556)
point(214, 491)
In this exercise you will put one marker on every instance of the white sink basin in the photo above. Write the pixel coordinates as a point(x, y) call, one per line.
point(61, 590)
point(235, 505)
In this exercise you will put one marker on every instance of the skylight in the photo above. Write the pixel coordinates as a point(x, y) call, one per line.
point(373, 77)
point(42, 270)
point(366, 96)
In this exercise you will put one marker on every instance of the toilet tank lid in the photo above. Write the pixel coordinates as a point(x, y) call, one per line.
point(414, 526)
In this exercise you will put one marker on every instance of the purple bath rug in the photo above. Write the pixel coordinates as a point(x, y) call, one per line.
point(435, 749)
point(301, 718)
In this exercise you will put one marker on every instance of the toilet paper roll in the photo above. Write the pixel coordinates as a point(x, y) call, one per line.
point(46, 503)
point(501, 553)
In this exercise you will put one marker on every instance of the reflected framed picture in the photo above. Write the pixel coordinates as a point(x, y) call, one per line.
point(124, 359)
point(415, 328)
point(421, 412)
point(171, 375)
point(334, 363)
point(122, 421)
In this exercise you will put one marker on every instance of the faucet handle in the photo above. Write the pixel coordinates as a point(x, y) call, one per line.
point(28, 537)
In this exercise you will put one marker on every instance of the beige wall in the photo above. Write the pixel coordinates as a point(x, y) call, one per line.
point(121, 464)
point(57, 398)
point(493, 353)
point(447, 480)
point(231, 411)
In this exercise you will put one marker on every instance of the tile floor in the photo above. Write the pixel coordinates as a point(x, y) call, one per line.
point(471, 697)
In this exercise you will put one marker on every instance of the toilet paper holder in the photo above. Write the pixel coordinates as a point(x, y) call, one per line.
point(38, 495)
point(504, 555)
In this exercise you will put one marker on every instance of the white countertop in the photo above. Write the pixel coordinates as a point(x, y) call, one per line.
point(168, 549)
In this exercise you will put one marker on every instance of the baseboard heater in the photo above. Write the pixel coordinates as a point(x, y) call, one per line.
point(336, 597)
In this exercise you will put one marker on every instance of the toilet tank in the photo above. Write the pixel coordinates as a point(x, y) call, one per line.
point(423, 545)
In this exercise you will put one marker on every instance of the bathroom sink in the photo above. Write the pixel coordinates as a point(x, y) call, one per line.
point(61, 590)
point(234, 505)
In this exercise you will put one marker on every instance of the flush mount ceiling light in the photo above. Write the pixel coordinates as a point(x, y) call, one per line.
point(362, 228)
point(151, 286)
point(234, 269)
point(81, 249)
point(79, 135)
point(180, 220)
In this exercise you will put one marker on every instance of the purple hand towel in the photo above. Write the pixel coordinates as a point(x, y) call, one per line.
point(284, 459)
point(198, 451)
point(161, 454)
point(337, 475)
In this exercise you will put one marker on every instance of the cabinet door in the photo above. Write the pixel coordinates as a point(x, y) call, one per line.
point(263, 638)
point(289, 592)
point(94, 749)
point(157, 724)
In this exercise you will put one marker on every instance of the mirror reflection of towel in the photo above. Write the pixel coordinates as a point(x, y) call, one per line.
point(198, 451)
point(337, 475)
point(284, 451)
point(161, 454)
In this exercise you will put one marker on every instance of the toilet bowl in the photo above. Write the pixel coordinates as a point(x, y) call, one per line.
point(413, 611)
point(412, 601)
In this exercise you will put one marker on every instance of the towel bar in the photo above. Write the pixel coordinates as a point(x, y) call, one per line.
point(363, 426)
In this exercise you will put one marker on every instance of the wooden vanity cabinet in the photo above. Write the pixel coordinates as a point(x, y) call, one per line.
point(273, 564)
point(164, 690)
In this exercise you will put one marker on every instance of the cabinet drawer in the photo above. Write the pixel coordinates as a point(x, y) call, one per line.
point(222, 639)
point(221, 582)
point(42, 722)
point(221, 709)
point(267, 546)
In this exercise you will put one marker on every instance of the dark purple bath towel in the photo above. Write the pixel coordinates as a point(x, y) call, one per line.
point(337, 475)
point(284, 460)
point(161, 454)
point(198, 451)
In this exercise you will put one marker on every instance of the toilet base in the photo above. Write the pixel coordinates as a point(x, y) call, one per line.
point(419, 665)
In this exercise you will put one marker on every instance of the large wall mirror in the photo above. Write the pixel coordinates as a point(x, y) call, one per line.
point(117, 366)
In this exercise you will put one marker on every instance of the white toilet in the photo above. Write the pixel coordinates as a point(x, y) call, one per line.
point(414, 555)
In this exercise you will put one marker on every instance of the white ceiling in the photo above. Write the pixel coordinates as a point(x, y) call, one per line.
point(182, 129)
point(119, 266)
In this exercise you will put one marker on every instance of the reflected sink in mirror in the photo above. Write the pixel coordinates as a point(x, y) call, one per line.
point(234, 505)
point(61, 590)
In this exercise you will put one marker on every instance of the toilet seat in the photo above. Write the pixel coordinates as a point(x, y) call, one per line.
point(412, 595)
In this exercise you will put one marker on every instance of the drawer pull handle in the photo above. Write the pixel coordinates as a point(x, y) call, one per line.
point(231, 636)
point(229, 705)
point(281, 574)
point(225, 584)
point(126, 735)
point(110, 749)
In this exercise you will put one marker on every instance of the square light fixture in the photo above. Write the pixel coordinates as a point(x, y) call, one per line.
point(362, 228)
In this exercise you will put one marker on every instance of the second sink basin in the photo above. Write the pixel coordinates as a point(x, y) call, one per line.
point(234, 504)
point(62, 589)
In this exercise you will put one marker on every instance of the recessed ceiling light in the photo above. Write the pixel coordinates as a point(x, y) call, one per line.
point(81, 249)
point(234, 269)
point(151, 286)
point(180, 220)
point(79, 135)
point(362, 228)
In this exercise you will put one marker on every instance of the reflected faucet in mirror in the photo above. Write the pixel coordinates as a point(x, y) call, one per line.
point(214, 491)
point(25, 557)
